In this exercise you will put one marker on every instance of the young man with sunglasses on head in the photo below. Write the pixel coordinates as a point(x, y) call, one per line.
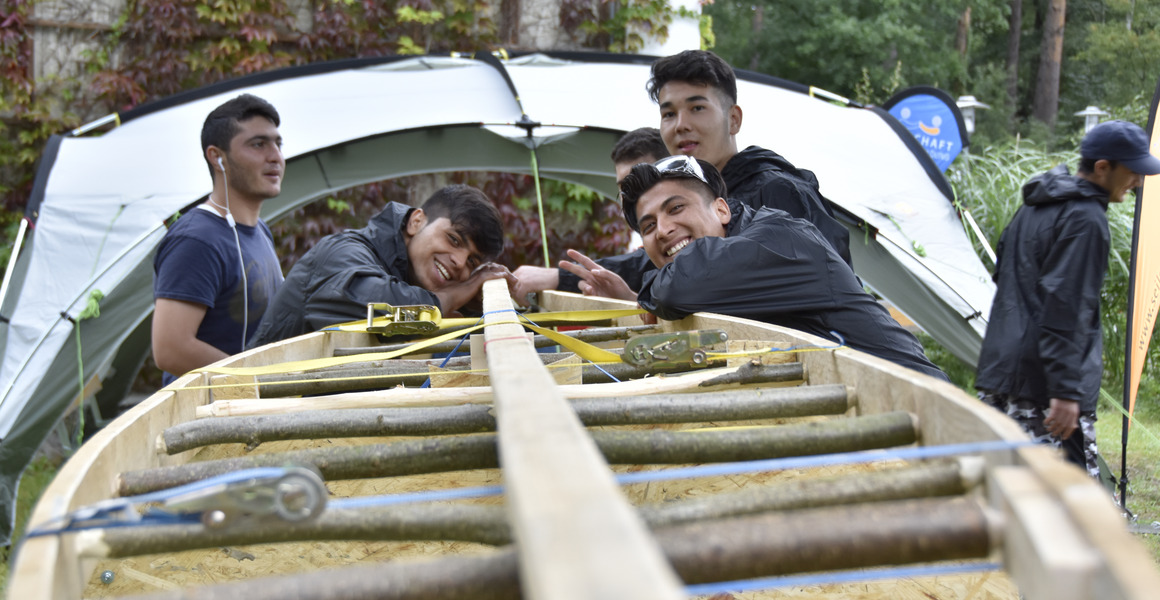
point(715, 256)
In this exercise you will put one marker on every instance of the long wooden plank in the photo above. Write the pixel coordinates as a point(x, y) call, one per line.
point(577, 535)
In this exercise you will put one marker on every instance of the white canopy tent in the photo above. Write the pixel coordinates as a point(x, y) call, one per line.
point(100, 202)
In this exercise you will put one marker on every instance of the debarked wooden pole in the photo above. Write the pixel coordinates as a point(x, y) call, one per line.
point(845, 537)
point(488, 524)
point(455, 453)
point(730, 405)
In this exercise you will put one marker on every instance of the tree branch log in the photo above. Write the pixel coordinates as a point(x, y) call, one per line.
point(488, 524)
point(732, 405)
point(846, 537)
point(455, 453)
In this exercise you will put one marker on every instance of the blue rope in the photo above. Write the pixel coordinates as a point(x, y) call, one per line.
point(820, 460)
point(76, 520)
point(810, 579)
point(427, 383)
point(733, 468)
point(415, 497)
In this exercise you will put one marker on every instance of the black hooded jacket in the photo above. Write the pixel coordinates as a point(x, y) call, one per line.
point(758, 177)
point(773, 268)
point(1043, 338)
point(334, 281)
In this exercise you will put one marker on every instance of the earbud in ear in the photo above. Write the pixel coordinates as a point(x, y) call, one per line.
point(221, 165)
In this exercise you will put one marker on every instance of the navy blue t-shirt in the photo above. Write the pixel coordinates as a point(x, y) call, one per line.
point(198, 262)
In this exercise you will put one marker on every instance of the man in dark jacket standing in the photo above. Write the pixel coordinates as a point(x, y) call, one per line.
point(1042, 356)
point(437, 255)
point(716, 256)
point(697, 94)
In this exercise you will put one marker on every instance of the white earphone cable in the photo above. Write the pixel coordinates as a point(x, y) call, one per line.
point(241, 259)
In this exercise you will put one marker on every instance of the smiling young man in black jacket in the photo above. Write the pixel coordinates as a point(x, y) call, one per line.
point(1042, 356)
point(716, 256)
point(437, 254)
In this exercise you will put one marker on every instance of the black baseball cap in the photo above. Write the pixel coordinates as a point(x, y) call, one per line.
point(1121, 141)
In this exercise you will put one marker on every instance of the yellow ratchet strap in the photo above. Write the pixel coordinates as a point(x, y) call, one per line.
point(583, 349)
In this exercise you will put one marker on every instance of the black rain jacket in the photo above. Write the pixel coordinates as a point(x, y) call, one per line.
point(1044, 338)
point(759, 177)
point(773, 268)
point(334, 281)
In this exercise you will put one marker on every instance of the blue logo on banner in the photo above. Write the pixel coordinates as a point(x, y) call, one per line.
point(933, 124)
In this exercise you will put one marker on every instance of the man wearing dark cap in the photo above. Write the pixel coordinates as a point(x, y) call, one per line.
point(1042, 357)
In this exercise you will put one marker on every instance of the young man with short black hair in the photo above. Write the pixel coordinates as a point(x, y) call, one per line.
point(1042, 357)
point(439, 254)
point(696, 91)
point(215, 271)
point(716, 256)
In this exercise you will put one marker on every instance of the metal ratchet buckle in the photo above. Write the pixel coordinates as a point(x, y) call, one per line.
point(418, 319)
point(684, 348)
point(295, 494)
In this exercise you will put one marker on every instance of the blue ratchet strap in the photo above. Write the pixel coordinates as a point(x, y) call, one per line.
point(122, 512)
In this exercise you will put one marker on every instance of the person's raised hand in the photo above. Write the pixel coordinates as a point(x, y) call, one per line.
point(596, 280)
point(456, 295)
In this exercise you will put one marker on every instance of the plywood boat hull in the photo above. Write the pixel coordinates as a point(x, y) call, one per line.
point(1060, 535)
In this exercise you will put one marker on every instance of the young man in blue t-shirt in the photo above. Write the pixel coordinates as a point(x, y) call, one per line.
point(216, 269)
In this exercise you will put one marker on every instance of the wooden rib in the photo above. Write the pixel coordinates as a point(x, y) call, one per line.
point(590, 335)
point(577, 536)
point(734, 405)
point(398, 397)
point(488, 524)
point(844, 537)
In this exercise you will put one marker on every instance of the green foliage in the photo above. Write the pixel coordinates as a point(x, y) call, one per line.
point(37, 476)
point(1115, 51)
point(840, 45)
point(708, 38)
point(622, 30)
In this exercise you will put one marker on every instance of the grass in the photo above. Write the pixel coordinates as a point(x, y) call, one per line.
point(37, 477)
point(1143, 458)
point(1143, 440)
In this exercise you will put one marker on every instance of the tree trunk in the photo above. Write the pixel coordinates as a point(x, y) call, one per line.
point(963, 33)
point(1046, 106)
point(758, 24)
point(1014, 35)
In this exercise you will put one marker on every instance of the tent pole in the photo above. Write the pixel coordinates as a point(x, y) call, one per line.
point(979, 234)
point(16, 245)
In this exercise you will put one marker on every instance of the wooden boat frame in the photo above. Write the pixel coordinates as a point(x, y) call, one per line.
point(1063, 537)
